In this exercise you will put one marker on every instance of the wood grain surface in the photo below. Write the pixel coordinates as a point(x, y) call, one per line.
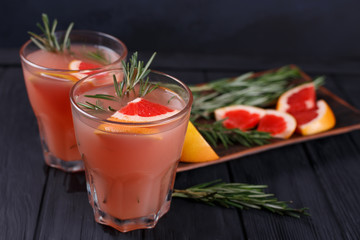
point(38, 202)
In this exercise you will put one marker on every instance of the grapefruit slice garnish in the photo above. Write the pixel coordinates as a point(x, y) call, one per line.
point(142, 110)
point(196, 148)
point(84, 66)
point(239, 116)
point(278, 124)
point(316, 120)
point(300, 98)
point(137, 111)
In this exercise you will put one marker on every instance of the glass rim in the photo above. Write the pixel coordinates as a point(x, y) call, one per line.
point(179, 114)
point(105, 35)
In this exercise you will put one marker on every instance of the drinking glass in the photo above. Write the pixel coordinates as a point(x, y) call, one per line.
point(48, 81)
point(130, 170)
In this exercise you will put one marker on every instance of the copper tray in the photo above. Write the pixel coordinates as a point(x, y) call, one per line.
point(347, 119)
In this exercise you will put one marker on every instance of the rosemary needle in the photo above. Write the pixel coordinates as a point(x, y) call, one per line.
point(238, 195)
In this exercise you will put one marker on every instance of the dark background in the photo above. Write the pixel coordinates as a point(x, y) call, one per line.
point(290, 29)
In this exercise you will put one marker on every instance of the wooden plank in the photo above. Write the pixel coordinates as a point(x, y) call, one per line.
point(290, 177)
point(66, 212)
point(338, 169)
point(22, 168)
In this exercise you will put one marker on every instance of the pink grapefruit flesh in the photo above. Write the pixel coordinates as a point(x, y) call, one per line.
point(142, 110)
point(278, 124)
point(240, 116)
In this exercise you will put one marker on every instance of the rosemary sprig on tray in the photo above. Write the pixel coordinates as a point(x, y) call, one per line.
point(238, 195)
point(215, 132)
point(49, 41)
point(244, 89)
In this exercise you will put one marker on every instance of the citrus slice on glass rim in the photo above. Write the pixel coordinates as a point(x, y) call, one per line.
point(316, 120)
point(278, 124)
point(300, 98)
point(138, 110)
point(239, 116)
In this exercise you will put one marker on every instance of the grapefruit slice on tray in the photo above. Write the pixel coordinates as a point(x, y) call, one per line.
point(138, 110)
point(316, 120)
point(311, 116)
point(300, 98)
point(278, 124)
point(81, 65)
point(239, 116)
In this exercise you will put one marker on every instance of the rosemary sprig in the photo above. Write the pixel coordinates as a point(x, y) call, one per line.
point(49, 41)
point(216, 132)
point(238, 195)
point(135, 73)
point(259, 91)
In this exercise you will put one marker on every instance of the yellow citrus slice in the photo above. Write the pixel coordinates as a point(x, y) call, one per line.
point(196, 149)
point(239, 116)
point(315, 121)
point(278, 124)
point(59, 76)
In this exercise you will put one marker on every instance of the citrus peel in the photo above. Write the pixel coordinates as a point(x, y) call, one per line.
point(324, 120)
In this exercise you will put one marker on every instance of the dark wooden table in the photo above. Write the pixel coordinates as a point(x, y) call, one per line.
point(38, 202)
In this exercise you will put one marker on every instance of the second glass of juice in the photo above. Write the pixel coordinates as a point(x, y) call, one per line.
point(49, 77)
point(130, 166)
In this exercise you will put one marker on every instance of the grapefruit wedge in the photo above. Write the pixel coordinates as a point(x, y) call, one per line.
point(137, 111)
point(316, 120)
point(81, 65)
point(300, 98)
point(278, 124)
point(311, 116)
point(195, 148)
point(239, 116)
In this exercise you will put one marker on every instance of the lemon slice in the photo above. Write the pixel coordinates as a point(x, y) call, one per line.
point(195, 148)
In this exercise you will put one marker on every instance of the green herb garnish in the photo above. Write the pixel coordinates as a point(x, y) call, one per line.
point(134, 73)
point(215, 132)
point(49, 41)
point(238, 195)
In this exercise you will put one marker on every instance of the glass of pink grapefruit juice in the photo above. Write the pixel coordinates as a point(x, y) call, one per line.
point(131, 153)
point(49, 77)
